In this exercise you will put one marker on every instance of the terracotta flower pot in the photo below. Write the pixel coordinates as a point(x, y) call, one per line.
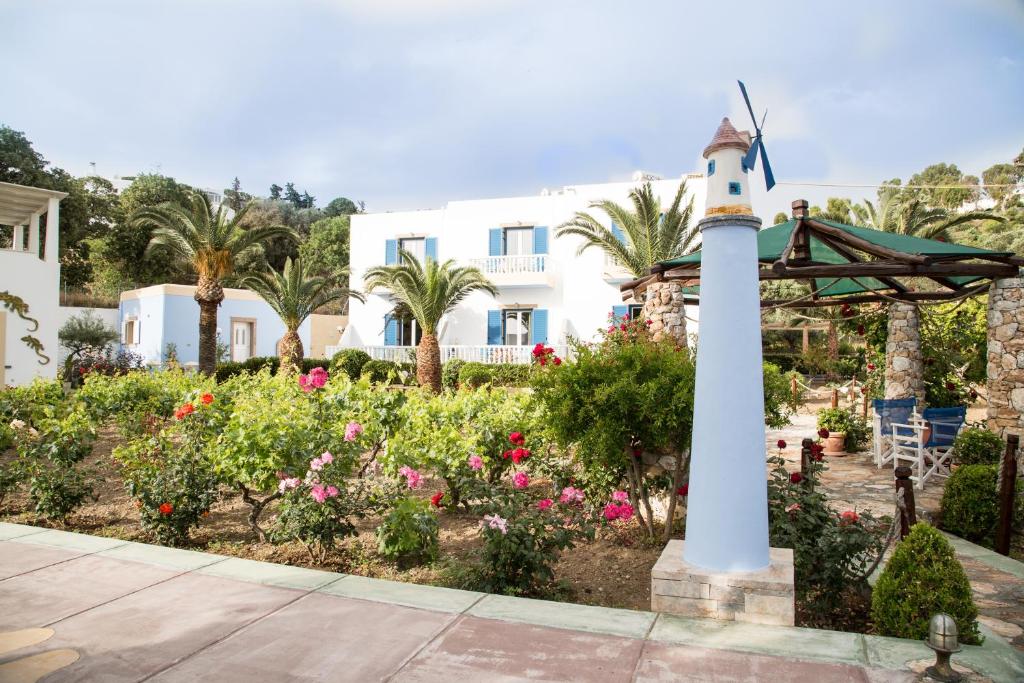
point(835, 444)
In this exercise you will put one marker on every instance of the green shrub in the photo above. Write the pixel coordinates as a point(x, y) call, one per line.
point(137, 399)
point(923, 578)
point(975, 446)
point(350, 362)
point(473, 375)
point(779, 401)
point(389, 372)
point(408, 533)
point(846, 422)
point(450, 373)
point(226, 370)
point(12, 474)
point(31, 402)
point(64, 441)
point(58, 490)
point(970, 504)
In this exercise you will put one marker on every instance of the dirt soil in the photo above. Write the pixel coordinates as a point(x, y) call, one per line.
point(612, 571)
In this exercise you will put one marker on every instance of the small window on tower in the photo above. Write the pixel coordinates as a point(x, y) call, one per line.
point(711, 167)
point(734, 188)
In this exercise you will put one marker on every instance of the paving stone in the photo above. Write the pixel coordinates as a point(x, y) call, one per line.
point(71, 541)
point(24, 558)
point(475, 649)
point(281, 575)
point(619, 622)
point(331, 638)
point(172, 558)
point(408, 594)
point(9, 531)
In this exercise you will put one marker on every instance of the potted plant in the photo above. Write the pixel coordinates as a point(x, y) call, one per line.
point(839, 423)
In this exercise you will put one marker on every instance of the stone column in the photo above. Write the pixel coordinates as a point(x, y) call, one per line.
point(1006, 356)
point(665, 309)
point(904, 365)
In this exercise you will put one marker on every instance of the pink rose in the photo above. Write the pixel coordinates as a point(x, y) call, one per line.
point(475, 462)
point(331, 491)
point(520, 480)
point(620, 496)
point(326, 457)
point(571, 495)
point(319, 493)
point(544, 504)
point(352, 430)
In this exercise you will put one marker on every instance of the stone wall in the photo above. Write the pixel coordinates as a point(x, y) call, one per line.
point(1006, 356)
point(665, 309)
point(904, 365)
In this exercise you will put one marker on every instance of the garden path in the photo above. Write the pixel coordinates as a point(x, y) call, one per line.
point(853, 482)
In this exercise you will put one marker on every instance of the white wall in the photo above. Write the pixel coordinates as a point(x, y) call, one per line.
point(36, 282)
point(580, 298)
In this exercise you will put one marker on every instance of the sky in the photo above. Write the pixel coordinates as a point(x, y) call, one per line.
point(411, 103)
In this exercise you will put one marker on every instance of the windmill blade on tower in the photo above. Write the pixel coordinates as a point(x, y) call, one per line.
point(757, 144)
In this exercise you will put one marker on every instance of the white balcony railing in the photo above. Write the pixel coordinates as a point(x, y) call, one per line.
point(511, 265)
point(478, 354)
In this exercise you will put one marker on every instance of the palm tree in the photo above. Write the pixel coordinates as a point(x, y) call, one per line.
point(294, 295)
point(213, 246)
point(429, 291)
point(910, 216)
point(648, 236)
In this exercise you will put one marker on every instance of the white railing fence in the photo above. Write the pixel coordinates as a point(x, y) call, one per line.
point(479, 354)
point(500, 265)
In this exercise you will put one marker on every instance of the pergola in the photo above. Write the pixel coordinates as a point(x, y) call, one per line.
point(846, 264)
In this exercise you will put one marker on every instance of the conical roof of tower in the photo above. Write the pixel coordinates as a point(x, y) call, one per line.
point(727, 136)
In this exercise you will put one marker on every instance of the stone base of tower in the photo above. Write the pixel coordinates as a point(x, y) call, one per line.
point(767, 596)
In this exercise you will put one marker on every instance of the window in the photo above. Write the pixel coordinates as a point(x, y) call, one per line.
point(129, 332)
point(711, 167)
point(409, 333)
point(417, 246)
point(518, 241)
point(734, 188)
point(515, 326)
point(635, 311)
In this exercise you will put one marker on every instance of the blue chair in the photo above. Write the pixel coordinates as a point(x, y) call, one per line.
point(887, 412)
point(927, 445)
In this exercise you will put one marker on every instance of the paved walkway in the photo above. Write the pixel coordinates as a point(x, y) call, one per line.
point(80, 607)
point(853, 482)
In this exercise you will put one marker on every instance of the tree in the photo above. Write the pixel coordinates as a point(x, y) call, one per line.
point(327, 248)
point(294, 295)
point(838, 209)
point(210, 245)
point(429, 291)
point(780, 217)
point(647, 235)
point(340, 206)
point(909, 215)
point(308, 201)
point(82, 333)
point(234, 197)
point(292, 196)
point(20, 163)
point(275, 191)
point(998, 177)
point(264, 212)
point(954, 189)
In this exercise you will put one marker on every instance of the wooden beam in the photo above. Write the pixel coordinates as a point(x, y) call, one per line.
point(853, 258)
point(783, 260)
point(875, 298)
point(865, 246)
point(888, 269)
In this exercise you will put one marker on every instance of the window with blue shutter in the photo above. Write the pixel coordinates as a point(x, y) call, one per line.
point(390, 252)
point(540, 239)
point(493, 328)
point(494, 242)
point(539, 326)
point(619, 312)
point(431, 248)
point(734, 188)
point(390, 330)
point(711, 167)
point(617, 231)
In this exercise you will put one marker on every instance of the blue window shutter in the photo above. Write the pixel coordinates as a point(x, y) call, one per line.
point(539, 326)
point(619, 312)
point(493, 328)
point(540, 239)
point(390, 252)
point(617, 231)
point(494, 242)
point(390, 331)
point(430, 246)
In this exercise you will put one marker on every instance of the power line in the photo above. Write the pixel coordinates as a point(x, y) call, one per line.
point(906, 187)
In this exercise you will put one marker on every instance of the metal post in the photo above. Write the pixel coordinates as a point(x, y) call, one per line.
point(1007, 493)
point(908, 517)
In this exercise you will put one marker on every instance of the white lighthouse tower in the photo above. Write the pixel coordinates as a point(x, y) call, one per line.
point(725, 568)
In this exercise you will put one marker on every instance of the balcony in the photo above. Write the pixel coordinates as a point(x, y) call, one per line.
point(613, 272)
point(529, 270)
point(519, 355)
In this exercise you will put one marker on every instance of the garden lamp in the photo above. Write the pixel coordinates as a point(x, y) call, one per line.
point(943, 637)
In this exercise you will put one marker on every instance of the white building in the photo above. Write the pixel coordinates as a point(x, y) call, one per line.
point(547, 292)
point(29, 284)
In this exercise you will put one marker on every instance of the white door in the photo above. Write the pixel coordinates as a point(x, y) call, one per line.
point(241, 340)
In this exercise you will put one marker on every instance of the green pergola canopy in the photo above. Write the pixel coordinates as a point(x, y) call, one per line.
point(868, 252)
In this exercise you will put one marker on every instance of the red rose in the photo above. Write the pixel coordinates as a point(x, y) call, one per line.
point(849, 517)
point(823, 433)
point(622, 327)
point(871, 367)
point(683, 490)
point(435, 499)
point(520, 454)
point(557, 361)
point(781, 444)
point(515, 437)
point(796, 477)
point(950, 386)
point(207, 399)
point(860, 330)
point(166, 509)
point(543, 361)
